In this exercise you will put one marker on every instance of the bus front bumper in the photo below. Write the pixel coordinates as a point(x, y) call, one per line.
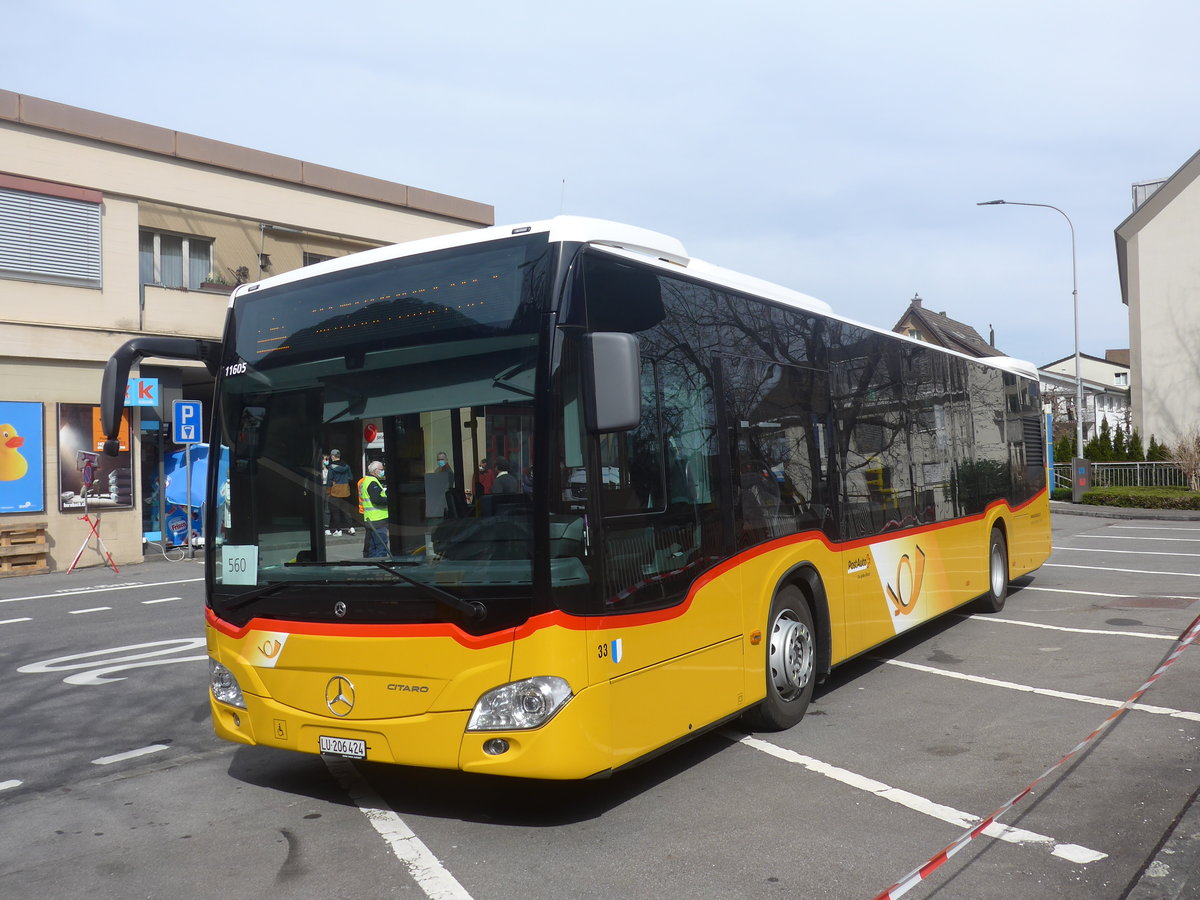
point(572, 745)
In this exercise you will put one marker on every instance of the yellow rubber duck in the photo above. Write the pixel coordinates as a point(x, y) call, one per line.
point(12, 464)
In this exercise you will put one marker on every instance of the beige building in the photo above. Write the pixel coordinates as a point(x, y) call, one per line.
point(111, 229)
point(1105, 392)
point(1157, 253)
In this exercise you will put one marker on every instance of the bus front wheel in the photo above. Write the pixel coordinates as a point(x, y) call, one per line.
point(791, 649)
point(997, 592)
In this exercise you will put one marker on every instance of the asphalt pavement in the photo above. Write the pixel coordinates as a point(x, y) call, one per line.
point(283, 821)
point(1174, 873)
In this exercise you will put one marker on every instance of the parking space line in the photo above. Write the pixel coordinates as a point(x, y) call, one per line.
point(132, 586)
point(1055, 590)
point(1154, 528)
point(425, 868)
point(1137, 537)
point(1097, 631)
point(1045, 692)
point(1137, 552)
point(1126, 571)
point(1071, 852)
point(129, 754)
point(1030, 587)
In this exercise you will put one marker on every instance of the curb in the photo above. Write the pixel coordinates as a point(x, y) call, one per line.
point(1062, 508)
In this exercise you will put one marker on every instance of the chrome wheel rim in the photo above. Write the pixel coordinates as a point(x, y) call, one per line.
point(999, 576)
point(791, 656)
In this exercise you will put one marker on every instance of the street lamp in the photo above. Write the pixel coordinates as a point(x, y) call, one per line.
point(1075, 300)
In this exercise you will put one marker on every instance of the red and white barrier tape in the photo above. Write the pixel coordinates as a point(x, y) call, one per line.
point(916, 876)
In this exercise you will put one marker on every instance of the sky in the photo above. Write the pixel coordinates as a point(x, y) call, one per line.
point(837, 148)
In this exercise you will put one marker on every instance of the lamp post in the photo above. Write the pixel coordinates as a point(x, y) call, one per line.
point(1075, 302)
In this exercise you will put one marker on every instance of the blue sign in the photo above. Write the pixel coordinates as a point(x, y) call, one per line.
point(141, 392)
point(22, 458)
point(187, 426)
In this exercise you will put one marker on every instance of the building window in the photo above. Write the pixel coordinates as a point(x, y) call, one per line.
point(173, 260)
point(1121, 379)
point(311, 259)
point(45, 237)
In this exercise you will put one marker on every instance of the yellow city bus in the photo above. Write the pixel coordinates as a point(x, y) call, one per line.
point(701, 492)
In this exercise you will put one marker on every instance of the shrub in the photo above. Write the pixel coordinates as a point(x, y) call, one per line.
point(1144, 497)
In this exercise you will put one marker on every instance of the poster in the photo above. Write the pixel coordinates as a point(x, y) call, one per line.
point(86, 477)
point(22, 458)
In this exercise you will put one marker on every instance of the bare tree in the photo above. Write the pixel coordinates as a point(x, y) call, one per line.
point(1187, 454)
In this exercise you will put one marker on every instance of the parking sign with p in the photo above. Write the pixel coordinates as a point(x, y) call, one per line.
point(187, 421)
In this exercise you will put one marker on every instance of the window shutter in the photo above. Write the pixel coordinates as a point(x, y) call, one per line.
point(45, 238)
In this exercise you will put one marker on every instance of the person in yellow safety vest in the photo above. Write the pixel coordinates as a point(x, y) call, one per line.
point(372, 506)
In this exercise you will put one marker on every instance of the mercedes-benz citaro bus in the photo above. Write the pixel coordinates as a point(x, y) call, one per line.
point(604, 497)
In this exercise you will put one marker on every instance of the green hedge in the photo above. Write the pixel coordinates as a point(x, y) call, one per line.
point(1144, 497)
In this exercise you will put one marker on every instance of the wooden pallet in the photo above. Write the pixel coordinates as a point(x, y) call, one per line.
point(23, 549)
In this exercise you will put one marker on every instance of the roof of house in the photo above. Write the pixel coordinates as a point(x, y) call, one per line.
point(1151, 207)
point(85, 123)
point(1107, 359)
point(938, 328)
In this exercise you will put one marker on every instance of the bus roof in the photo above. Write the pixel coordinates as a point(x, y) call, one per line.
point(629, 241)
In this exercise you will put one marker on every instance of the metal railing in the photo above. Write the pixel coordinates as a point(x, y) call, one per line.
point(1126, 474)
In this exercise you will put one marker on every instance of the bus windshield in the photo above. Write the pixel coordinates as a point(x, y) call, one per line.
point(382, 415)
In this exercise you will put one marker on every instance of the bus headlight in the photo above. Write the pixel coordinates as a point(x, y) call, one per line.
point(523, 704)
point(223, 685)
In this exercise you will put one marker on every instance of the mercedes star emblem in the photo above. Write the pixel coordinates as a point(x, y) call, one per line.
point(339, 695)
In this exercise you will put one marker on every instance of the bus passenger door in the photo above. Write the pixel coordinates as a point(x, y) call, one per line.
point(671, 651)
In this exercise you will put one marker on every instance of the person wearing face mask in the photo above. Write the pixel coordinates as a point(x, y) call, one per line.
point(442, 466)
point(484, 478)
point(372, 505)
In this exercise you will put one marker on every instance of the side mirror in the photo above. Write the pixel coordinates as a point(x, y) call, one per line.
point(116, 374)
point(612, 363)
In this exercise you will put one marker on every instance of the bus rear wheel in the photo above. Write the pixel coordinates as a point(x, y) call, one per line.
point(997, 592)
point(791, 663)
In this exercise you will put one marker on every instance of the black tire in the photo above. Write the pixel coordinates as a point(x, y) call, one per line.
point(791, 649)
point(997, 592)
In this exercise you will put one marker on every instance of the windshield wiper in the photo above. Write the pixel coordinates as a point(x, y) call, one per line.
point(472, 610)
point(265, 591)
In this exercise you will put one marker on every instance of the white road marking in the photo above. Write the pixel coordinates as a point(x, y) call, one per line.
point(1070, 852)
point(1054, 590)
point(14, 621)
point(1138, 537)
point(100, 590)
point(129, 754)
point(5, 785)
point(161, 600)
point(1045, 692)
point(430, 875)
point(97, 667)
point(1154, 528)
point(1051, 590)
point(80, 612)
point(1137, 634)
point(1134, 552)
point(1127, 571)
